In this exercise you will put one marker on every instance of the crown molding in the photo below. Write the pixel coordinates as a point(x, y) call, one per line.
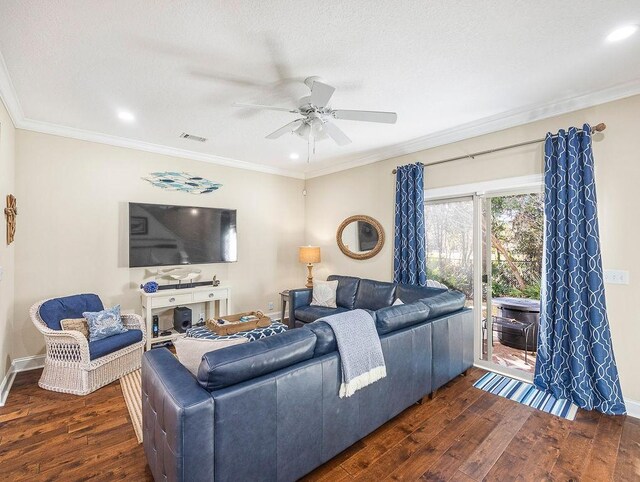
point(8, 94)
point(9, 97)
point(487, 125)
point(72, 132)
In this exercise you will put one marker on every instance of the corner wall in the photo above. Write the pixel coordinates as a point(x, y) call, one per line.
point(7, 257)
point(370, 190)
point(72, 228)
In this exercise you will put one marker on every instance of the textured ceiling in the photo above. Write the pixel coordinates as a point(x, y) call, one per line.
point(178, 66)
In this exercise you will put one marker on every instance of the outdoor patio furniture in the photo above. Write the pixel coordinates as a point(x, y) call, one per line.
point(501, 324)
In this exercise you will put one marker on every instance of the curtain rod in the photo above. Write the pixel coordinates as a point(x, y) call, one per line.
point(597, 128)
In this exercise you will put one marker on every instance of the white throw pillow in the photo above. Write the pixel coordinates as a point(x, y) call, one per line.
point(397, 302)
point(191, 350)
point(324, 293)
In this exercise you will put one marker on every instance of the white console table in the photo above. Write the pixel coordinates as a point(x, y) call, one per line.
point(211, 296)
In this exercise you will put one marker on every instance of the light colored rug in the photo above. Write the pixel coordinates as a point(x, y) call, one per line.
point(132, 390)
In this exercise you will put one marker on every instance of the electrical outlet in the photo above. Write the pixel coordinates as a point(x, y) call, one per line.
point(201, 318)
point(270, 305)
point(616, 277)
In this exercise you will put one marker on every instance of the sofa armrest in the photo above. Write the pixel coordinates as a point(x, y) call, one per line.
point(297, 299)
point(177, 416)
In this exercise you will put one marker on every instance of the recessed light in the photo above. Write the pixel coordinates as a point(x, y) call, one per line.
point(622, 33)
point(294, 155)
point(126, 116)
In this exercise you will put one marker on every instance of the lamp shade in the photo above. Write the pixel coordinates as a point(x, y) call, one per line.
point(309, 254)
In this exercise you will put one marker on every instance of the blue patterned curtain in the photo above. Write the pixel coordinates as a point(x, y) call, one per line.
point(409, 259)
point(575, 357)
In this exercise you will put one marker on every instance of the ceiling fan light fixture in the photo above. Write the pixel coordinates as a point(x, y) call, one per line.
point(303, 131)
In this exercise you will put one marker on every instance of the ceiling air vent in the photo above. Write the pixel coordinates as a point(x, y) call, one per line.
point(191, 137)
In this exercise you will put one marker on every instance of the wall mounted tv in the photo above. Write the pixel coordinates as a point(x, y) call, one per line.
point(161, 235)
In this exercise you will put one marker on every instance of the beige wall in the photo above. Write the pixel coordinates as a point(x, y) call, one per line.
point(7, 184)
point(73, 235)
point(370, 190)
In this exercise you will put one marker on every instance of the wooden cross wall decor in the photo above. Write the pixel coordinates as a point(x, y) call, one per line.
point(10, 212)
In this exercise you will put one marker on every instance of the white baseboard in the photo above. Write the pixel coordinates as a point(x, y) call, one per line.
point(633, 408)
point(18, 365)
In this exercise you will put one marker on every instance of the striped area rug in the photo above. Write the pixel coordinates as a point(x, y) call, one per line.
point(526, 394)
point(131, 385)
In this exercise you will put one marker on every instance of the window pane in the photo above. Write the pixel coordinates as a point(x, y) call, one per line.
point(449, 228)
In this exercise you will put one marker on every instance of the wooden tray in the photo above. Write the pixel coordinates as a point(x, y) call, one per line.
point(233, 324)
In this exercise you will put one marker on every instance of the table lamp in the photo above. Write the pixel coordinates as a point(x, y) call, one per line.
point(309, 255)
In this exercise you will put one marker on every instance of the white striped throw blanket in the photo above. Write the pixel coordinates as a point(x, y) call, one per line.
point(360, 351)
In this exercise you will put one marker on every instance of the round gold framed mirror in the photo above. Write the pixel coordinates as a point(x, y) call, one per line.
point(360, 237)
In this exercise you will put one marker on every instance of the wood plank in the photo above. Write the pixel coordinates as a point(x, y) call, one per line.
point(628, 465)
point(446, 467)
point(575, 450)
point(479, 463)
point(602, 459)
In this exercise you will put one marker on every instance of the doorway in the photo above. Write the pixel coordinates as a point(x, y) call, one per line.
point(489, 245)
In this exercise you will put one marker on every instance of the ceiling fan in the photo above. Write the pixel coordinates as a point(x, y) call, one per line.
point(316, 116)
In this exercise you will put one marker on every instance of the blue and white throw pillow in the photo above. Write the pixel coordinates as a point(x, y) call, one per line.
point(103, 324)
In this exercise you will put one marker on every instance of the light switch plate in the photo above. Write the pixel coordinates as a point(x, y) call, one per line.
point(616, 277)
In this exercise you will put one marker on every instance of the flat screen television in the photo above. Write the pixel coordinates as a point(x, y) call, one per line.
point(161, 235)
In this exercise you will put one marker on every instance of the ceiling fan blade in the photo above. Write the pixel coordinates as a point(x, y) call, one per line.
point(291, 126)
point(366, 115)
point(266, 107)
point(321, 94)
point(336, 134)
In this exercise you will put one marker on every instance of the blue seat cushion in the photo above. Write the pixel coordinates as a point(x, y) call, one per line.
point(57, 309)
point(309, 314)
point(104, 346)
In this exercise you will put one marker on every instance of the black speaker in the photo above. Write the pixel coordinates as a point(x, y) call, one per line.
point(181, 318)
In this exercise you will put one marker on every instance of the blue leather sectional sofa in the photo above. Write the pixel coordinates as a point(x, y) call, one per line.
point(269, 410)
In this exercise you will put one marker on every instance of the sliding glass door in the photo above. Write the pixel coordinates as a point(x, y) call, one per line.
point(449, 229)
point(489, 246)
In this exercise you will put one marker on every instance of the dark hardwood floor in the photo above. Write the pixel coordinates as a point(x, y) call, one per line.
point(464, 434)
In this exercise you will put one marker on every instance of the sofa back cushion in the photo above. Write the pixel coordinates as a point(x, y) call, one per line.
point(347, 289)
point(238, 363)
point(57, 309)
point(411, 293)
point(444, 303)
point(397, 317)
point(373, 295)
point(325, 338)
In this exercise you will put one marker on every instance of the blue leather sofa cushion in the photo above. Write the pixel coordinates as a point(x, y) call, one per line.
point(104, 346)
point(444, 303)
point(373, 295)
point(57, 309)
point(397, 317)
point(235, 364)
point(309, 314)
point(325, 338)
point(347, 289)
point(411, 293)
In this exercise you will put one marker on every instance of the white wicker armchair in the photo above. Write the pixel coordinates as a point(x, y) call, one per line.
point(68, 367)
